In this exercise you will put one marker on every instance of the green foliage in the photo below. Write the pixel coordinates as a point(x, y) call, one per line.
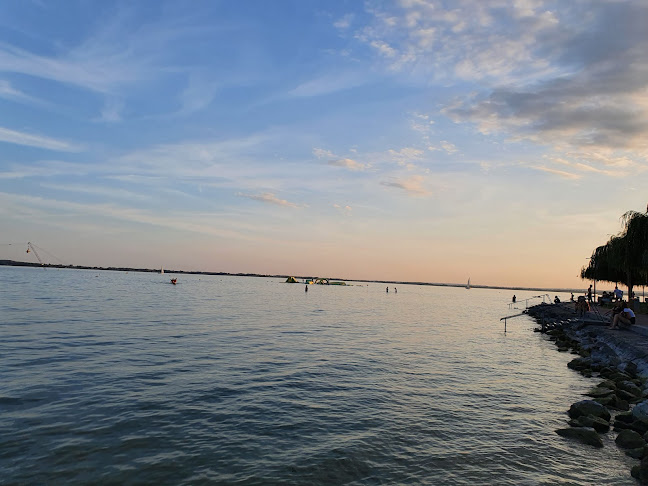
point(624, 258)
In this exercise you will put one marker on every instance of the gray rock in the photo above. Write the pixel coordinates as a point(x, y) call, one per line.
point(619, 426)
point(586, 435)
point(640, 411)
point(597, 423)
point(627, 396)
point(626, 417)
point(637, 453)
point(620, 404)
point(630, 387)
point(641, 472)
point(629, 439)
point(607, 401)
point(599, 392)
point(607, 384)
point(579, 364)
point(631, 369)
point(589, 407)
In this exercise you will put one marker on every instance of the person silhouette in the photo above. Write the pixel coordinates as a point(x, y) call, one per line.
point(514, 298)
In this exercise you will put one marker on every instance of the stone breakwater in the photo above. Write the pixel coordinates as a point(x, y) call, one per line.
point(618, 360)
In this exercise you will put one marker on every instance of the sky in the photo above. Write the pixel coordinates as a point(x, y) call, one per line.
point(407, 140)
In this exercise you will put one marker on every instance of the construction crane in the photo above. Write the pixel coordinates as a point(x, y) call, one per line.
point(30, 248)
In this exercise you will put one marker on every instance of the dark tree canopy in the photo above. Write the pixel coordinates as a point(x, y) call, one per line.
point(624, 258)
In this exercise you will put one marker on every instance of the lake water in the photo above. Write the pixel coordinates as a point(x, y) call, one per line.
point(122, 378)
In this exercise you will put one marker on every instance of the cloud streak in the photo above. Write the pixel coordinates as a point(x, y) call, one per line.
point(348, 164)
point(413, 185)
point(268, 198)
point(31, 140)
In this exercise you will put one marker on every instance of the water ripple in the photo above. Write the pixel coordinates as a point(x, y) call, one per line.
point(117, 378)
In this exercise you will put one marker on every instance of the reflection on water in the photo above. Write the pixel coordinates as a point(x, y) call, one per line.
point(123, 378)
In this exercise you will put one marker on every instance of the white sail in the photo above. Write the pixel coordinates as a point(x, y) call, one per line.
point(161, 270)
point(468, 284)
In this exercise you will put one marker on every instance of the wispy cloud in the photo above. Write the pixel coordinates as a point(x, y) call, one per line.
point(449, 148)
point(48, 209)
point(348, 164)
point(406, 156)
point(327, 84)
point(594, 99)
point(474, 40)
point(560, 173)
point(30, 140)
point(120, 52)
point(344, 209)
point(112, 111)
point(344, 22)
point(323, 153)
point(269, 198)
point(98, 74)
point(198, 94)
point(8, 92)
point(96, 190)
point(412, 185)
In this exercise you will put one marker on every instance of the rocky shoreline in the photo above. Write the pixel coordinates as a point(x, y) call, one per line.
point(618, 360)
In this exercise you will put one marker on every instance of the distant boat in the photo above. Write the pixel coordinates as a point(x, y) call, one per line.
point(468, 284)
point(161, 270)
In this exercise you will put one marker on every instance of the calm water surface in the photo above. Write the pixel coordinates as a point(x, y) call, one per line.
point(122, 378)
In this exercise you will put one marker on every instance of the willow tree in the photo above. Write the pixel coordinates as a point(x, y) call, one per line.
point(636, 234)
point(624, 258)
point(603, 262)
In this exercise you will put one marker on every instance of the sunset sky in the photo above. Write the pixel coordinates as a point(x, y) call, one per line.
point(413, 140)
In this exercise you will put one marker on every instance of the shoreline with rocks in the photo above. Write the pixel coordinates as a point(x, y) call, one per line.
point(618, 403)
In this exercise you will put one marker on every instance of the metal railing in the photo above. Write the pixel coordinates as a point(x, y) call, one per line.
point(526, 301)
point(512, 305)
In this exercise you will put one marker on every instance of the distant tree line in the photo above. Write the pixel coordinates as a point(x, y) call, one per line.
point(624, 258)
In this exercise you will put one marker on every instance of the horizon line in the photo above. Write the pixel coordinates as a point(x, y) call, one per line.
point(15, 263)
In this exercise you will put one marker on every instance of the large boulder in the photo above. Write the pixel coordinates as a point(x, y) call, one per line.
point(597, 423)
point(627, 396)
point(589, 407)
point(607, 384)
point(586, 435)
point(637, 453)
point(599, 391)
point(641, 472)
point(640, 411)
point(626, 417)
point(631, 369)
point(629, 387)
point(579, 363)
point(629, 439)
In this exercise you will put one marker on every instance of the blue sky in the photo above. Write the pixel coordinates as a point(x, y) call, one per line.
point(408, 140)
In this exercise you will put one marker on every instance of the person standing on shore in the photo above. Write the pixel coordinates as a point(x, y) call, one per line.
point(618, 294)
point(514, 298)
point(589, 294)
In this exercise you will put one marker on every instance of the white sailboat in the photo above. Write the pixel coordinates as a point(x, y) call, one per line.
point(161, 270)
point(468, 284)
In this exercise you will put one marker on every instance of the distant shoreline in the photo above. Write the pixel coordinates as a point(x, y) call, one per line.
point(13, 263)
